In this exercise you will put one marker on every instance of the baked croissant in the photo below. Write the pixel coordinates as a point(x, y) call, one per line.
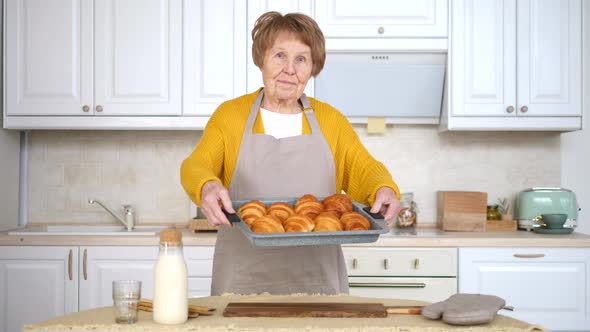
point(280, 210)
point(298, 223)
point(354, 221)
point(309, 209)
point(267, 224)
point(306, 198)
point(251, 211)
point(339, 203)
point(327, 222)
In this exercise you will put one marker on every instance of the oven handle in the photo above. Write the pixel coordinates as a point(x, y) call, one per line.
point(387, 284)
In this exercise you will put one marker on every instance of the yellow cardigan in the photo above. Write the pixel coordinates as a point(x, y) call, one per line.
point(215, 157)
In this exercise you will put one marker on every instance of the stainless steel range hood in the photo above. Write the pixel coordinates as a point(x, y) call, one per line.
point(402, 86)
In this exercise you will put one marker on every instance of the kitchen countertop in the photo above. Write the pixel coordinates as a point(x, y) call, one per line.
point(102, 319)
point(422, 237)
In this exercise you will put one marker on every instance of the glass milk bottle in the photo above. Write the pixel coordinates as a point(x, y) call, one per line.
point(170, 280)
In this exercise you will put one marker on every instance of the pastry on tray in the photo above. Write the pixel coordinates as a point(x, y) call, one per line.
point(333, 214)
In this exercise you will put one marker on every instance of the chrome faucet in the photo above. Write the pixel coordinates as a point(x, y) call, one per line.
point(129, 221)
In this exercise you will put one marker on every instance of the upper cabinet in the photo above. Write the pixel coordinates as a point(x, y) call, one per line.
point(112, 64)
point(214, 54)
point(101, 58)
point(382, 18)
point(515, 65)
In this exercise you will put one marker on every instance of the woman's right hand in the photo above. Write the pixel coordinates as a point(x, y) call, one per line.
point(211, 193)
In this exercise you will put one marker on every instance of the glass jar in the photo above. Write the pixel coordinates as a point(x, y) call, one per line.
point(407, 216)
point(170, 280)
point(493, 213)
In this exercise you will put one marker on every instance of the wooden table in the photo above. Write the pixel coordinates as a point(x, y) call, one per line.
point(102, 319)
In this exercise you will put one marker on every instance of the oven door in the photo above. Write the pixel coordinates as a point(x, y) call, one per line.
point(432, 289)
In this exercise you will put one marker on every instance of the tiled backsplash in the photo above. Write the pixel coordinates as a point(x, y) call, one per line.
point(141, 168)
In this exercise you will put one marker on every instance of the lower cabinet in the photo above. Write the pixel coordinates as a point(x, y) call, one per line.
point(38, 283)
point(548, 287)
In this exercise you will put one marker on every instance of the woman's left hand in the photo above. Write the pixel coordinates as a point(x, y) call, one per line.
point(386, 203)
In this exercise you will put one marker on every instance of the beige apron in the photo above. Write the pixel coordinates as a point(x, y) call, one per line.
point(270, 168)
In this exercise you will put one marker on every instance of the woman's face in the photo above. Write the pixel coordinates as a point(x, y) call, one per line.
point(286, 68)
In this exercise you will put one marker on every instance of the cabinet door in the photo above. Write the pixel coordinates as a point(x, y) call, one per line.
point(138, 57)
point(99, 266)
point(48, 57)
point(259, 7)
point(543, 285)
point(382, 18)
point(482, 56)
point(214, 53)
point(549, 58)
point(36, 283)
point(199, 263)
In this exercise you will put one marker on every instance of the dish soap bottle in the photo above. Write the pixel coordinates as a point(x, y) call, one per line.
point(170, 280)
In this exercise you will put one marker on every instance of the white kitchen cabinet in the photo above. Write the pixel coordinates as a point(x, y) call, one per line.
point(382, 18)
point(214, 54)
point(101, 58)
point(514, 65)
point(259, 7)
point(99, 266)
point(424, 274)
point(36, 283)
point(545, 286)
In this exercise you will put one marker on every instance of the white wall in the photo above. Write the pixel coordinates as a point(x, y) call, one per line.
point(575, 146)
point(142, 168)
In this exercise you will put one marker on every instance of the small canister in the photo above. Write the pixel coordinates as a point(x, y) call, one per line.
point(407, 216)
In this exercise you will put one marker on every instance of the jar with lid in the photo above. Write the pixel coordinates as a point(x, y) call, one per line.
point(407, 216)
point(170, 280)
point(493, 213)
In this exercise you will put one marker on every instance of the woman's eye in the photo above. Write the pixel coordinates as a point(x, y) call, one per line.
point(280, 55)
point(300, 59)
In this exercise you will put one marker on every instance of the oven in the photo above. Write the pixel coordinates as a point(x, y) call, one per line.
point(425, 274)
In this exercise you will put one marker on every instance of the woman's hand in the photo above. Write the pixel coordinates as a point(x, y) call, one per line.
point(211, 193)
point(386, 203)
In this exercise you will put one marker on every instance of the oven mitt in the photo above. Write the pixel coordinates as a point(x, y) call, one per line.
point(465, 309)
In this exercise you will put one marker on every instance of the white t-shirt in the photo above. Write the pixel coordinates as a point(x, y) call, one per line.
point(281, 125)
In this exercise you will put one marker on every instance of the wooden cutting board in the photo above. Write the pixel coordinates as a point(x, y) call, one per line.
point(279, 309)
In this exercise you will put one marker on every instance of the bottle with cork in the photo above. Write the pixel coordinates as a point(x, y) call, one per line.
point(170, 280)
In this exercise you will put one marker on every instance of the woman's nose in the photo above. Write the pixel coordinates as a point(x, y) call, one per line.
point(289, 68)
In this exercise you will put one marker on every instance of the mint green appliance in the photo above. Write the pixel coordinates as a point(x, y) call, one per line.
point(536, 201)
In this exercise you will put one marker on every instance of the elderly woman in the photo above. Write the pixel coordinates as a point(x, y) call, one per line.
point(277, 143)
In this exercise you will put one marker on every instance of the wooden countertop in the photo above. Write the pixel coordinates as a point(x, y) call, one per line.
point(102, 319)
point(423, 237)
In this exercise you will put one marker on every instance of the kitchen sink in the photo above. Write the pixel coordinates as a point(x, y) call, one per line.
point(95, 230)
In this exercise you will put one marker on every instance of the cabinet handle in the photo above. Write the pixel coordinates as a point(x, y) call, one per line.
point(98, 108)
point(524, 109)
point(84, 265)
point(70, 264)
point(529, 255)
point(510, 109)
point(386, 264)
point(381, 30)
point(354, 263)
point(387, 284)
point(86, 108)
point(416, 264)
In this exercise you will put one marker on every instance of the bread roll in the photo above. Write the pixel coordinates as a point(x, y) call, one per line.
point(339, 203)
point(327, 222)
point(267, 224)
point(251, 211)
point(298, 223)
point(280, 210)
point(309, 209)
point(354, 221)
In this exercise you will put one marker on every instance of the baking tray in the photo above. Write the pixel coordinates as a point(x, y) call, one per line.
point(378, 226)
